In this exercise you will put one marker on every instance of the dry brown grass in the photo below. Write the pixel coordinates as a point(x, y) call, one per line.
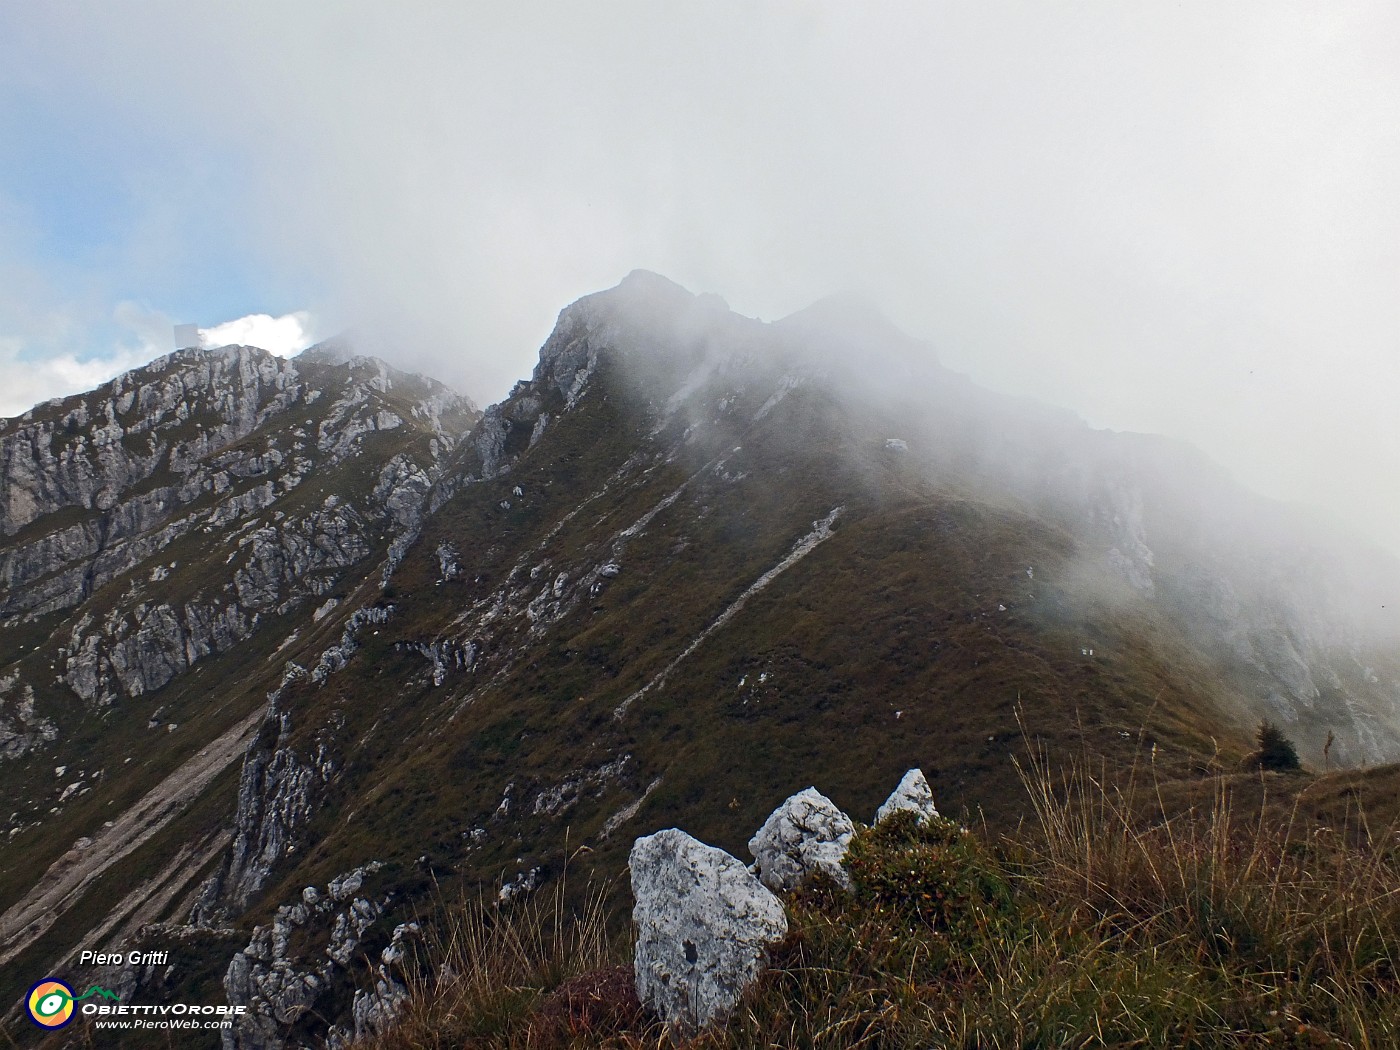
point(539, 972)
point(1108, 921)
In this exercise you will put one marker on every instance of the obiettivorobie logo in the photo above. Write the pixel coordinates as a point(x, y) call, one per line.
point(51, 1002)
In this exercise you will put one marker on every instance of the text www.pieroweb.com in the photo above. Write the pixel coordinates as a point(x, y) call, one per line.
point(177, 1017)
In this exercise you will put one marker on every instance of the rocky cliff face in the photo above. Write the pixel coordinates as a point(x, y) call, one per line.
point(288, 987)
point(207, 506)
point(167, 514)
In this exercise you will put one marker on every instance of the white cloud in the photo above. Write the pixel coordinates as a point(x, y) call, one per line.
point(27, 383)
point(284, 336)
point(38, 362)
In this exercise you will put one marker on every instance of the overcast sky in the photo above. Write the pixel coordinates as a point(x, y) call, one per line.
point(1181, 218)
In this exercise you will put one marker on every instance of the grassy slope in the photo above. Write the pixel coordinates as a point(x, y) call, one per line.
point(898, 612)
point(1097, 924)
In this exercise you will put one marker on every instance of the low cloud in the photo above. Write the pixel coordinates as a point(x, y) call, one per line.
point(39, 363)
point(28, 383)
point(284, 336)
point(1178, 220)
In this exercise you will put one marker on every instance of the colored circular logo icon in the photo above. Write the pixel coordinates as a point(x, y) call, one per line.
point(50, 1003)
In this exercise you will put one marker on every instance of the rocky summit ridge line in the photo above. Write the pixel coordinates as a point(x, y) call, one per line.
point(693, 564)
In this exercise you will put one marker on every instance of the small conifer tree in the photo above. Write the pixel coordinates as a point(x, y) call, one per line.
point(1276, 751)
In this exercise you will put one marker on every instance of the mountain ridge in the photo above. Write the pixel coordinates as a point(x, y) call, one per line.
point(772, 572)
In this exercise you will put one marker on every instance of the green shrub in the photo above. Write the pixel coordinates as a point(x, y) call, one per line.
point(934, 873)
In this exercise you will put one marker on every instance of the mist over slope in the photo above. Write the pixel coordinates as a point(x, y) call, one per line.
point(694, 563)
point(1305, 618)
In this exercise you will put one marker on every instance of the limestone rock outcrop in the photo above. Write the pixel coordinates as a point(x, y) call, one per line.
point(290, 963)
point(164, 514)
point(806, 834)
point(21, 730)
point(704, 928)
point(913, 794)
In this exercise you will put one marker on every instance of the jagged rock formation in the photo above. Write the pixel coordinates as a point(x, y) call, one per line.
point(806, 834)
point(21, 730)
point(281, 983)
point(202, 509)
point(276, 799)
point(912, 795)
point(704, 927)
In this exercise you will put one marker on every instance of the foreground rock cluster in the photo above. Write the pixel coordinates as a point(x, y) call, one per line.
point(706, 922)
point(291, 965)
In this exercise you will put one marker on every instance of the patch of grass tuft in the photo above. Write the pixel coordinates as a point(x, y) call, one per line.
point(537, 972)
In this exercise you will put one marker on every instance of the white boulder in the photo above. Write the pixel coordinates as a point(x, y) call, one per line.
point(806, 833)
point(704, 927)
point(914, 794)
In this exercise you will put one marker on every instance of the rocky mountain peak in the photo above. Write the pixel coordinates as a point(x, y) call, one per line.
point(846, 315)
point(645, 313)
point(118, 504)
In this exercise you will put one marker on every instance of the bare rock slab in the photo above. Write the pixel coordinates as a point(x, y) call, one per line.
point(913, 794)
point(704, 928)
point(807, 833)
